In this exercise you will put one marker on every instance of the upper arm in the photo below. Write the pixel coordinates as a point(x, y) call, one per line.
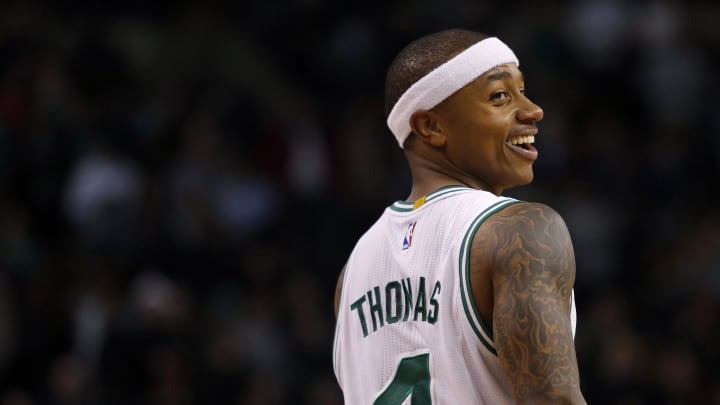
point(532, 270)
point(338, 290)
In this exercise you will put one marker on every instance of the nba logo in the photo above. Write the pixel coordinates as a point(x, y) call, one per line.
point(407, 241)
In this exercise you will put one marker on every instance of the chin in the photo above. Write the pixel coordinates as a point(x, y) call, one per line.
point(525, 177)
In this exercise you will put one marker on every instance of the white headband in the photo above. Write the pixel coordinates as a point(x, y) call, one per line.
point(445, 80)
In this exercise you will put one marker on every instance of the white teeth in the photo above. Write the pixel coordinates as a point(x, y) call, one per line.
point(523, 139)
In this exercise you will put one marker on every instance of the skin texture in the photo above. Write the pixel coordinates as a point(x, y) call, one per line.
point(522, 262)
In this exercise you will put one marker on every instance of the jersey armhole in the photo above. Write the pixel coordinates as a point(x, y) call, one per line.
point(482, 331)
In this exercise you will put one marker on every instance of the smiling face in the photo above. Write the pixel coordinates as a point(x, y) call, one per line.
point(488, 128)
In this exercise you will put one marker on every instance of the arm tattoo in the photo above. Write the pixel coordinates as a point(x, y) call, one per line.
point(533, 274)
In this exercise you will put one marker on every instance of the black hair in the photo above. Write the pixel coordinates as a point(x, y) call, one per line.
point(421, 57)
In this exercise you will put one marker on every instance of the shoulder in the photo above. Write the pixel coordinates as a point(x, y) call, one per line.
point(477, 206)
point(523, 231)
point(537, 216)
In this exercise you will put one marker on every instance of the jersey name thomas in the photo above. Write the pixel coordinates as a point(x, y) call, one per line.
point(395, 303)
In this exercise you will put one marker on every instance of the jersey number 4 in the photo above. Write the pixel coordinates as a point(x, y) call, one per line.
point(412, 380)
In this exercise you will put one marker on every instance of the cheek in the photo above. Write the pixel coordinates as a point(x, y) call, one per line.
point(479, 131)
point(489, 136)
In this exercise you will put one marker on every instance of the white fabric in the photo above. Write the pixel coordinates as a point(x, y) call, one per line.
point(445, 80)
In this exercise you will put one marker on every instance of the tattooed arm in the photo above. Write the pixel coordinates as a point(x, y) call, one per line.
point(524, 256)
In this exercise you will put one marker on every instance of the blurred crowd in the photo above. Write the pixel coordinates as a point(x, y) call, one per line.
point(181, 183)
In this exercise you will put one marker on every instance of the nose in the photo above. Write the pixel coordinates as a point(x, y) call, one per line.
point(530, 111)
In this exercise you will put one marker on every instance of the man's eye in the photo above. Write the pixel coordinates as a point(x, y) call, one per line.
point(523, 92)
point(499, 95)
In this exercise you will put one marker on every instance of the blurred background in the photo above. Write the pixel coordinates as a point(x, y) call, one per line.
point(181, 182)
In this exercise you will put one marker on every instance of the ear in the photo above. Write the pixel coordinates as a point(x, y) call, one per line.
point(428, 126)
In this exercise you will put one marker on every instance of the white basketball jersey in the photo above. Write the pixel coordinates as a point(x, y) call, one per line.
point(408, 331)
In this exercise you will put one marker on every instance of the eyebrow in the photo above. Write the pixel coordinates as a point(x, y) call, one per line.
point(501, 75)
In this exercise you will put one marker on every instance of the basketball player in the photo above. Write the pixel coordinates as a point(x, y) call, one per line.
point(459, 295)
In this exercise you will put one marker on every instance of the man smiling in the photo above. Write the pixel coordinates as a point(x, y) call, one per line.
point(498, 272)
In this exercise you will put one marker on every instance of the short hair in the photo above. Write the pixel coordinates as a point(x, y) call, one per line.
point(421, 57)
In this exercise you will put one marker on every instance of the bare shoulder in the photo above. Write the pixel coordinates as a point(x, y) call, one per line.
point(524, 231)
point(527, 254)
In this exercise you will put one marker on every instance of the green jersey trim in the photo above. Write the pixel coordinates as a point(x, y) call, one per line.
point(407, 206)
point(473, 315)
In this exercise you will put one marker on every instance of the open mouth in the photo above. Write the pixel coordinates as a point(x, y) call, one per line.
point(524, 142)
point(523, 146)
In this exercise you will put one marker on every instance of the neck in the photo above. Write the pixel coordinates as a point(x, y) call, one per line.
point(429, 175)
